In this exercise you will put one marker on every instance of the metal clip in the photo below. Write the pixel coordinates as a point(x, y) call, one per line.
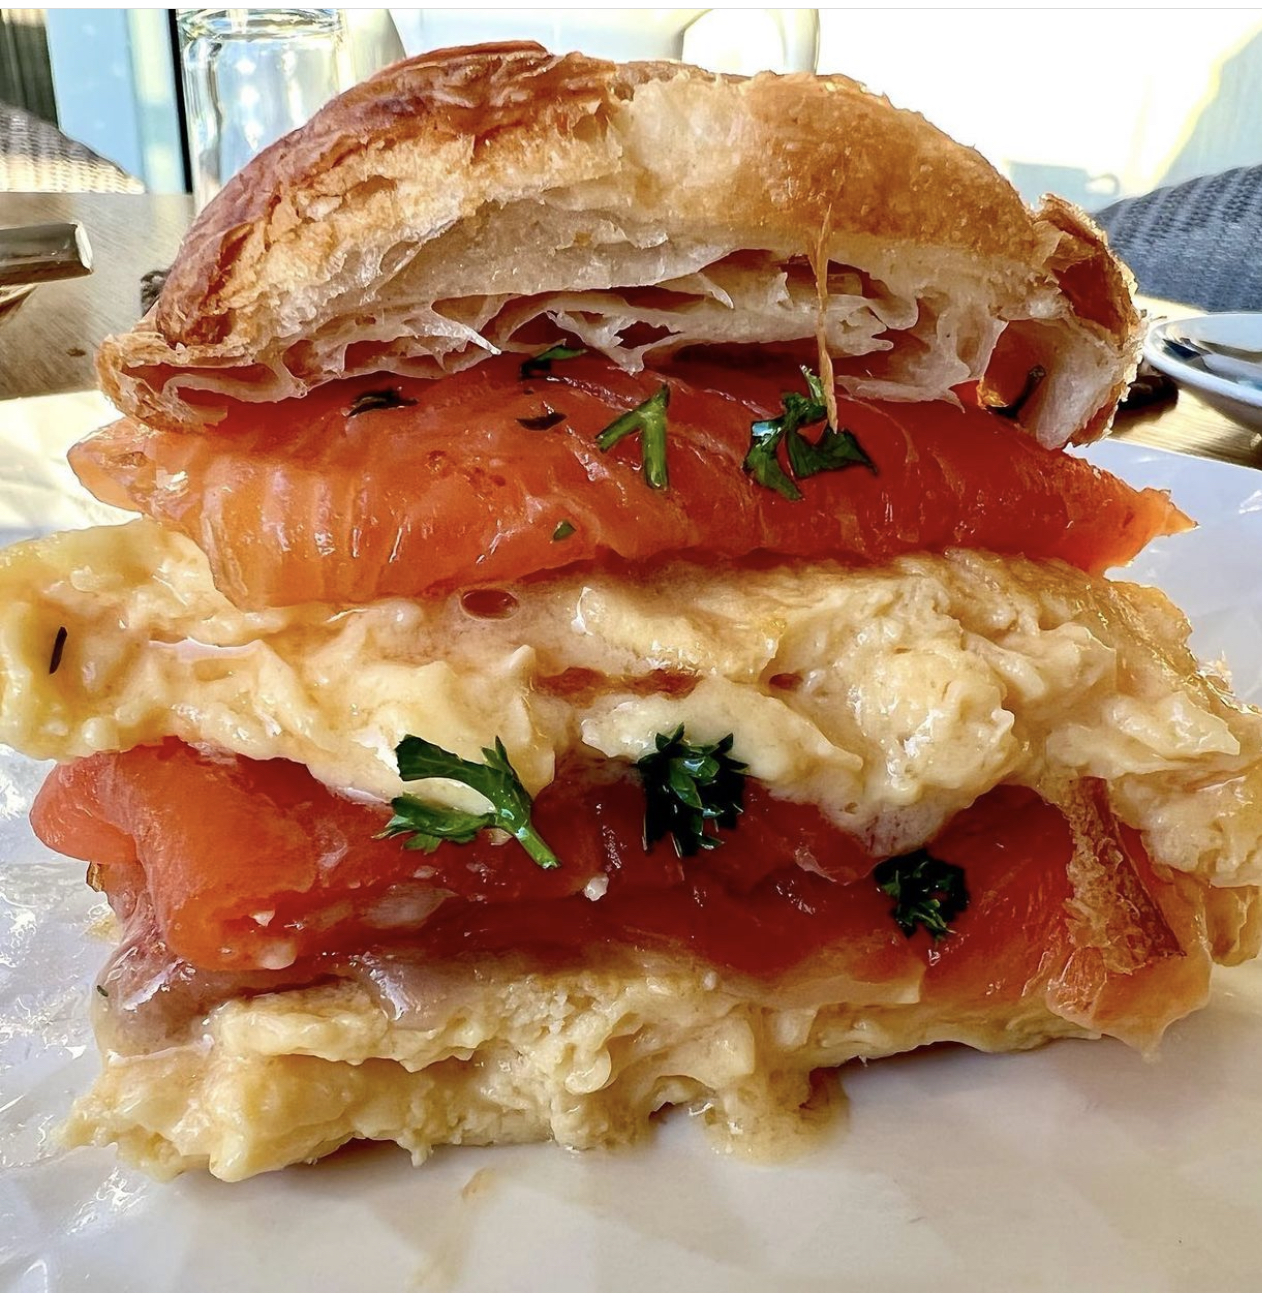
point(38, 254)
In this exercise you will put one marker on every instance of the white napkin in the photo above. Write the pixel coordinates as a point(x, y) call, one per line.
point(38, 492)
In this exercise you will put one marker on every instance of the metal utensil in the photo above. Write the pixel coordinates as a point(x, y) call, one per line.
point(1240, 364)
point(38, 254)
point(1184, 344)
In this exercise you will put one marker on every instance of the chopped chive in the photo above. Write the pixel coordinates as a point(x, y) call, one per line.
point(542, 422)
point(542, 363)
point(649, 420)
point(386, 398)
point(59, 645)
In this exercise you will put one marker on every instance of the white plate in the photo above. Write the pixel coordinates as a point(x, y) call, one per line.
point(1224, 376)
point(1078, 1166)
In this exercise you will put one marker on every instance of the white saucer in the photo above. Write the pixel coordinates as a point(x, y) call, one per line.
point(1213, 366)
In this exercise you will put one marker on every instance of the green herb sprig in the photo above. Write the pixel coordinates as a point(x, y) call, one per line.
point(649, 420)
point(689, 787)
point(833, 449)
point(927, 892)
point(542, 363)
point(496, 780)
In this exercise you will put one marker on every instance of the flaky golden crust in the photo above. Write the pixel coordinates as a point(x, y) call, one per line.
point(505, 104)
point(503, 99)
point(427, 217)
point(1098, 285)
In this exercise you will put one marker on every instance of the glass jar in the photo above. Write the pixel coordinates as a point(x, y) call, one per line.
point(251, 76)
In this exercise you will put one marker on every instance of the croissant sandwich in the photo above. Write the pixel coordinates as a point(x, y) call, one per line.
point(614, 623)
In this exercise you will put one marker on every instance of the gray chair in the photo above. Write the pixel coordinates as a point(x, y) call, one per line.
point(35, 157)
point(1199, 242)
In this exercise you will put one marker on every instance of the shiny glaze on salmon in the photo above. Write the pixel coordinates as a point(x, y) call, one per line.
point(252, 865)
point(468, 481)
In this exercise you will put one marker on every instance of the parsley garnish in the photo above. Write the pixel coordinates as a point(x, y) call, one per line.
point(927, 892)
point(687, 784)
point(387, 398)
point(763, 461)
point(542, 363)
point(59, 644)
point(833, 450)
point(1032, 381)
point(497, 781)
point(649, 420)
point(542, 422)
point(565, 529)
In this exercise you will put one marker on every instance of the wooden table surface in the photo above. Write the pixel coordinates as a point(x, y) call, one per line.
point(47, 345)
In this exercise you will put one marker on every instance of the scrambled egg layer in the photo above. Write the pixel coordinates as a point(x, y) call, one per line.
point(892, 697)
point(583, 1057)
point(501, 1053)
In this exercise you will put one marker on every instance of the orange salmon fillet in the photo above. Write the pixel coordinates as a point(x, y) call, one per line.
point(486, 478)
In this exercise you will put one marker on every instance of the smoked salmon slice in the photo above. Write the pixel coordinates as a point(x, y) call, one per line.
point(291, 874)
point(404, 487)
point(240, 855)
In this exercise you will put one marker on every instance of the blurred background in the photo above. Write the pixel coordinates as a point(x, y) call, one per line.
point(1094, 106)
point(1147, 118)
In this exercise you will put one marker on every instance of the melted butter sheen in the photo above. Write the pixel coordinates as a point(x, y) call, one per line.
point(917, 685)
